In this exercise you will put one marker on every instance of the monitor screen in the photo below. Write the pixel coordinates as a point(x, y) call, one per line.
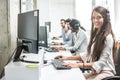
point(43, 36)
point(28, 24)
point(48, 25)
point(28, 31)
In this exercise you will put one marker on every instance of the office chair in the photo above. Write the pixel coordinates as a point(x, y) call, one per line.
point(117, 67)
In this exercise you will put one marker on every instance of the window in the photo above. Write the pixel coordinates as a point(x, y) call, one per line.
point(26, 5)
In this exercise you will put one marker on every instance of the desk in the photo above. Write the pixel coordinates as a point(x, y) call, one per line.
point(22, 70)
point(50, 73)
point(18, 71)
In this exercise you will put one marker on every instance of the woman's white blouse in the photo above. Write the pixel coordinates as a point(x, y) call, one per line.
point(106, 59)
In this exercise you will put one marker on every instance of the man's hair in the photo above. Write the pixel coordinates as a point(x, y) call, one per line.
point(62, 20)
point(68, 20)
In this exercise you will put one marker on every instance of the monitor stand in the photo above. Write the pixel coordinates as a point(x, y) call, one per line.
point(17, 54)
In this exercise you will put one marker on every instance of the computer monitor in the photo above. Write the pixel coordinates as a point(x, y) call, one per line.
point(43, 37)
point(48, 25)
point(28, 24)
point(28, 31)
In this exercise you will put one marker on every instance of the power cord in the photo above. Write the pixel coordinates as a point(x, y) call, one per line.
point(27, 61)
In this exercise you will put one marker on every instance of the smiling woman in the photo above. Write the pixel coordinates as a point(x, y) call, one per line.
point(97, 20)
point(101, 50)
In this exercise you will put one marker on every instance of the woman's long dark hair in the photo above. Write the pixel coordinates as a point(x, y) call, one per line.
point(99, 38)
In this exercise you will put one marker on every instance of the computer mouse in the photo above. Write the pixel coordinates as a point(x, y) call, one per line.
point(58, 57)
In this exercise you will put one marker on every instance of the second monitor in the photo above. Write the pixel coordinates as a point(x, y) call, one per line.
point(43, 36)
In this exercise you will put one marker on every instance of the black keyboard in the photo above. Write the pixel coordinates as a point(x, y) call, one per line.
point(51, 50)
point(57, 63)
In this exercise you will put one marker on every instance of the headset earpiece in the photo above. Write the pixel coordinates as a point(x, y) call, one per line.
point(75, 24)
point(108, 16)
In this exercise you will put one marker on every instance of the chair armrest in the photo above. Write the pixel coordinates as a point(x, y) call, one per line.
point(112, 78)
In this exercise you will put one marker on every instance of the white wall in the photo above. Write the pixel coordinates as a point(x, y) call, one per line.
point(54, 10)
point(117, 19)
point(83, 9)
point(44, 14)
point(60, 9)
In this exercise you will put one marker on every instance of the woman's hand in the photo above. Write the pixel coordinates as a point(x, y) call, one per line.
point(61, 48)
point(73, 65)
point(55, 48)
point(57, 43)
point(58, 48)
point(56, 38)
point(61, 57)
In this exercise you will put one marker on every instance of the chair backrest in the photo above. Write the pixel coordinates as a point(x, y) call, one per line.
point(117, 66)
point(118, 63)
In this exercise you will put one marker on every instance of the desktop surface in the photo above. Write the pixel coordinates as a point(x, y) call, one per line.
point(21, 71)
point(25, 71)
point(49, 72)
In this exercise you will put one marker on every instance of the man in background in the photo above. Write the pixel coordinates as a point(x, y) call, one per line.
point(66, 32)
point(79, 40)
point(62, 23)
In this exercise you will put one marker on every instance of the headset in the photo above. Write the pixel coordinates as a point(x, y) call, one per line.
point(108, 15)
point(75, 24)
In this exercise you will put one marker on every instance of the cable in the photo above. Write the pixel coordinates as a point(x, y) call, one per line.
point(22, 60)
point(27, 61)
